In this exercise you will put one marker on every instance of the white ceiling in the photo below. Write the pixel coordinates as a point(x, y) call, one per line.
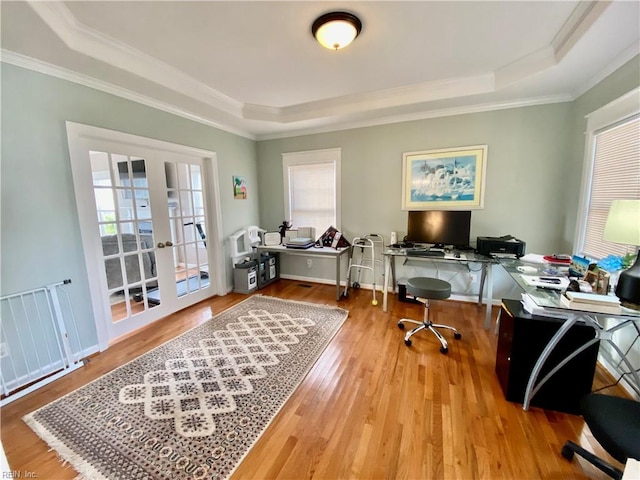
point(253, 68)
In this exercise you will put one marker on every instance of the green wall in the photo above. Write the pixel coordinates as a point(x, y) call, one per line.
point(526, 145)
point(532, 185)
point(533, 172)
point(615, 85)
point(533, 176)
point(41, 241)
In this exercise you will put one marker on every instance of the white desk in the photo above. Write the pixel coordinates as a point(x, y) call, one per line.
point(465, 257)
point(311, 252)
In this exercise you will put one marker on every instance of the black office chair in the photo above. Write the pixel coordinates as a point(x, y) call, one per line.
point(425, 289)
point(615, 424)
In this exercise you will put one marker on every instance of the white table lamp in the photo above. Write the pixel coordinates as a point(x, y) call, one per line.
point(623, 226)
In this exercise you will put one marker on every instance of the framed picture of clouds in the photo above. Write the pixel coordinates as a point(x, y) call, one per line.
point(444, 179)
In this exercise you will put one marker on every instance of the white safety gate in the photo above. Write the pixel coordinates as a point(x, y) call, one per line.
point(35, 346)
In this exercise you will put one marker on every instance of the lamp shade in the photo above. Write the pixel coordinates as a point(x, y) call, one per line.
point(623, 226)
point(623, 222)
point(336, 30)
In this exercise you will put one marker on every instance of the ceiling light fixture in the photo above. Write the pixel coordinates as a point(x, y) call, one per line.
point(336, 30)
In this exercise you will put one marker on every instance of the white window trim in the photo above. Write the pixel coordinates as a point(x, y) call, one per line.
point(329, 155)
point(619, 109)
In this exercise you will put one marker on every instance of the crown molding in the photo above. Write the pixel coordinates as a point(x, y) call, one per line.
point(525, 67)
point(379, 99)
point(45, 68)
point(90, 42)
point(581, 19)
point(627, 54)
point(39, 66)
point(445, 112)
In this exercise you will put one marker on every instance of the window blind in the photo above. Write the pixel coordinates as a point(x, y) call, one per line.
point(312, 195)
point(616, 175)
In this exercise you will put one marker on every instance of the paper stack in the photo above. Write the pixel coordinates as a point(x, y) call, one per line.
point(591, 302)
point(300, 242)
point(539, 304)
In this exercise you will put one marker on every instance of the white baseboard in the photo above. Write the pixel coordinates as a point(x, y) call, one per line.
point(40, 383)
point(624, 383)
point(369, 286)
point(301, 278)
point(56, 366)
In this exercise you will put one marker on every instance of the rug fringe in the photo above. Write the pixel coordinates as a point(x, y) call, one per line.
point(86, 471)
point(65, 455)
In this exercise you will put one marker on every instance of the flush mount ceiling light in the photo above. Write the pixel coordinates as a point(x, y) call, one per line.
point(336, 30)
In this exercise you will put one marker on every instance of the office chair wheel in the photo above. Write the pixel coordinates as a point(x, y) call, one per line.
point(407, 343)
point(344, 295)
point(457, 336)
point(401, 326)
point(567, 453)
point(355, 285)
point(444, 350)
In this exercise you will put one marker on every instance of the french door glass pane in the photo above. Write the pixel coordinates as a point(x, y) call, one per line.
point(123, 207)
point(188, 227)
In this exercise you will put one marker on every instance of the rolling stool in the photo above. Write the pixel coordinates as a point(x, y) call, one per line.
point(425, 289)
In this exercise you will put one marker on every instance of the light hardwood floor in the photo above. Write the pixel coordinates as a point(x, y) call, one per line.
point(370, 408)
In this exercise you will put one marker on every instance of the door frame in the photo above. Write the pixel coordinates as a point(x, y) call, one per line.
point(79, 138)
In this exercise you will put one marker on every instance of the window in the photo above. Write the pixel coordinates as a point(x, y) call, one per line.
point(612, 171)
point(312, 188)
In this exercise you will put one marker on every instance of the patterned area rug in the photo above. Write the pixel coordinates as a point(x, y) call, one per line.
point(193, 407)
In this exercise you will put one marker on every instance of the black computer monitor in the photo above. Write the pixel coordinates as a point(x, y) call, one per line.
point(439, 227)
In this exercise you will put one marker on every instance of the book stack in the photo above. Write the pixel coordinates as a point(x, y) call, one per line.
point(591, 302)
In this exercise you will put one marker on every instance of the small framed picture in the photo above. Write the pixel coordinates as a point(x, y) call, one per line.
point(239, 188)
point(603, 282)
point(599, 280)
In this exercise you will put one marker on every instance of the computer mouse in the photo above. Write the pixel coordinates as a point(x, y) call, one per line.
point(457, 255)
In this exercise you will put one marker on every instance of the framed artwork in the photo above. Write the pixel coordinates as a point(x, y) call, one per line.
point(444, 179)
point(239, 188)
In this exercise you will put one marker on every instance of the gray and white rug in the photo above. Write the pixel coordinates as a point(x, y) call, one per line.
point(193, 407)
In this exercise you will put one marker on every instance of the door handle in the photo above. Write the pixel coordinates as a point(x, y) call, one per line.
point(169, 243)
point(160, 245)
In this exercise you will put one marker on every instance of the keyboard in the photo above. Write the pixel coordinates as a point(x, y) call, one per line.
point(419, 252)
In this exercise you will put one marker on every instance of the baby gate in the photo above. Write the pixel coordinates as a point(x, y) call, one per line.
point(35, 348)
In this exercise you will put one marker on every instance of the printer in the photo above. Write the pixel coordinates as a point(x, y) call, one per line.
point(500, 246)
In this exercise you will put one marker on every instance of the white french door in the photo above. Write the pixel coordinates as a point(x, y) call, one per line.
point(150, 221)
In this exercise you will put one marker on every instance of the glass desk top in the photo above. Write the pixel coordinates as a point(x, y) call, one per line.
point(547, 294)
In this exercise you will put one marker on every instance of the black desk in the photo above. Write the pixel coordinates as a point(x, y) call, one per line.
point(522, 338)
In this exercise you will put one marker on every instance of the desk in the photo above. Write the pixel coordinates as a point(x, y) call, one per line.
point(311, 252)
point(627, 318)
point(521, 339)
point(465, 258)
